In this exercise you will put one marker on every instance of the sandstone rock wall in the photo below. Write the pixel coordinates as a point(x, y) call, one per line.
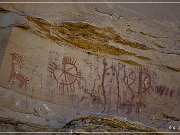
point(53, 72)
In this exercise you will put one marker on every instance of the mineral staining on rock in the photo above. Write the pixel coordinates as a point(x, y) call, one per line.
point(95, 124)
point(86, 36)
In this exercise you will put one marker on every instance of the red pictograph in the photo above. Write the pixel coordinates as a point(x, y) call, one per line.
point(65, 74)
point(69, 71)
point(140, 81)
point(16, 64)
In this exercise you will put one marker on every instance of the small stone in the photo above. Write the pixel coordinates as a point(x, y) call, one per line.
point(87, 121)
point(17, 103)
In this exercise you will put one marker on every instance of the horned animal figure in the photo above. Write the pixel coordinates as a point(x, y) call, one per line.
point(16, 64)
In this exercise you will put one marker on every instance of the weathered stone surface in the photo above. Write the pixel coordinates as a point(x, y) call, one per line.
point(101, 125)
point(11, 125)
point(88, 60)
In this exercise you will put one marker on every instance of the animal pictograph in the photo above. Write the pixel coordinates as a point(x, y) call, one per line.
point(16, 65)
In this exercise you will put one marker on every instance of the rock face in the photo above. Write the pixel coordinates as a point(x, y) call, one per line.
point(11, 125)
point(95, 124)
point(89, 60)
